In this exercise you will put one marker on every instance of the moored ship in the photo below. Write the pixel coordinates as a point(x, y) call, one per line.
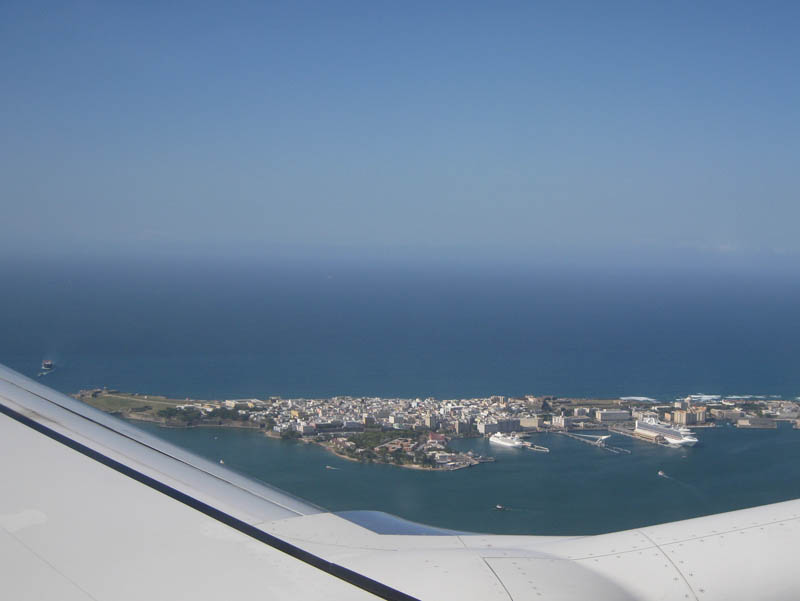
point(513, 440)
point(656, 431)
point(507, 440)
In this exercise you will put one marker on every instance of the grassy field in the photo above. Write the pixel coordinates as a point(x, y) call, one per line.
point(148, 407)
point(124, 403)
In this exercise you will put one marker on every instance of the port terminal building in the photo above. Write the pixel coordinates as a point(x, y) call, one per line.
point(608, 416)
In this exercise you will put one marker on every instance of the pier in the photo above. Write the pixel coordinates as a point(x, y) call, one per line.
point(631, 434)
point(595, 441)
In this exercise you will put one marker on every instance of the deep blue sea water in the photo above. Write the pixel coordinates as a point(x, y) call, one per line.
point(211, 330)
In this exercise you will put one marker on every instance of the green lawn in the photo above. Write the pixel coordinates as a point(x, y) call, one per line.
point(122, 402)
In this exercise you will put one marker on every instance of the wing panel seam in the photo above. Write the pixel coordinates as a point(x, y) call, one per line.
point(669, 559)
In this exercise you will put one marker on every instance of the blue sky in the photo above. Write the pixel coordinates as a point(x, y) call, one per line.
point(514, 128)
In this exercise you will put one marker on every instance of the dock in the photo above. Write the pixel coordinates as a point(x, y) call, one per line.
point(595, 441)
point(632, 434)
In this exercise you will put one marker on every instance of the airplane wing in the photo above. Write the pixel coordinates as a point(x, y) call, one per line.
point(92, 508)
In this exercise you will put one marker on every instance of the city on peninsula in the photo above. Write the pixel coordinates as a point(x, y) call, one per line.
point(414, 433)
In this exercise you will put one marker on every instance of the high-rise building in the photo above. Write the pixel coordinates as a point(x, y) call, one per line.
point(682, 417)
point(431, 421)
point(463, 427)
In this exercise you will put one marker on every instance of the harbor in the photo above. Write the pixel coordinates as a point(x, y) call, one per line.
point(554, 493)
point(651, 436)
point(623, 431)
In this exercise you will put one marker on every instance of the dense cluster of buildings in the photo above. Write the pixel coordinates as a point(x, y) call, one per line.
point(345, 413)
point(486, 416)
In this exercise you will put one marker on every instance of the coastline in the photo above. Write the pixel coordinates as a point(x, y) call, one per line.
point(275, 436)
point(177, 425)
point(410, 466)
point(416, 443)
point(132, 416)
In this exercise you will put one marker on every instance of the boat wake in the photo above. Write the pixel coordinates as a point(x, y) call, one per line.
point(696, 492)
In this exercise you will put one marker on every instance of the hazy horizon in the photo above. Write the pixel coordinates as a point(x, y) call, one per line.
point(529, 134)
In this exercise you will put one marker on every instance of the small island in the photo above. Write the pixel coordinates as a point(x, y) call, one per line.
point(404, 448)
point(414, 433)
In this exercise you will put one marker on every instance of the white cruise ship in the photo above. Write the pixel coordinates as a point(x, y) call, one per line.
point(655, 430)
point(507, 440)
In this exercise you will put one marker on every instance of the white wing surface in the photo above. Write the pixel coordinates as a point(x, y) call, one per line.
point(93, 508)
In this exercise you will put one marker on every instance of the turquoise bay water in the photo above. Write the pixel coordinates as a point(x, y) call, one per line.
point(575, 489)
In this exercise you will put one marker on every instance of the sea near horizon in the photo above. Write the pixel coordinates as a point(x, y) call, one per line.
point(257, 330)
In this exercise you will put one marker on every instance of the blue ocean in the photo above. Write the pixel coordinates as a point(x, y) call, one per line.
point(256, 328)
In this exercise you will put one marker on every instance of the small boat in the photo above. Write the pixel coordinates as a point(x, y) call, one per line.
point(499, 507)
point(47, 364)
point(330, 467)
point(222, 462)
point(662, 474)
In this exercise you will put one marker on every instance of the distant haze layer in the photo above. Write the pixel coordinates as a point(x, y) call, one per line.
point(567, 128)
